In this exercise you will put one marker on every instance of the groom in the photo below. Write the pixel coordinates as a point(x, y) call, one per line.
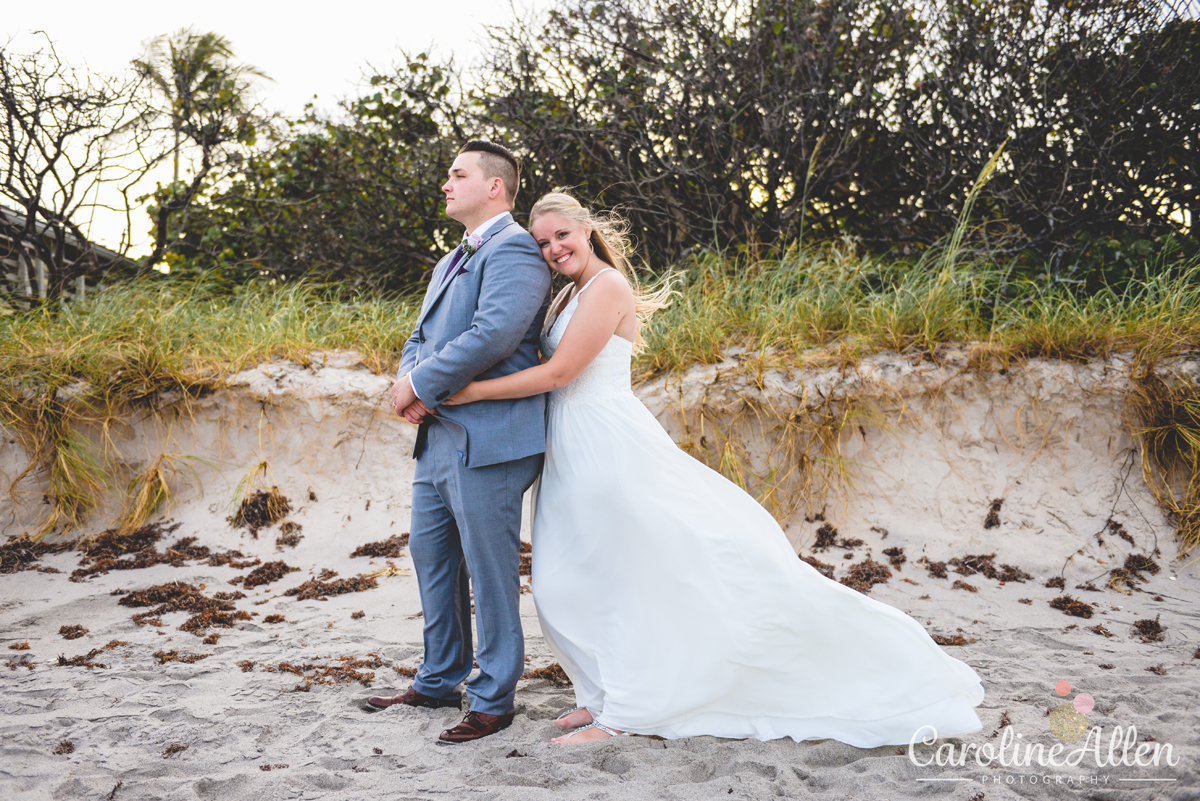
point(481, 318)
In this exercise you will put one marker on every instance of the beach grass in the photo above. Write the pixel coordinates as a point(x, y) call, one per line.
point(133, 344)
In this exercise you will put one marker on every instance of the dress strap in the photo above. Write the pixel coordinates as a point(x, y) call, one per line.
point(593, 278)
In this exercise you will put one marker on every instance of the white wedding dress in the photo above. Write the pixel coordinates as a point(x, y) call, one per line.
point(677, 607)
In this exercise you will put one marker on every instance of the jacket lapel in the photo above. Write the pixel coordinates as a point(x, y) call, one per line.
point(445, 280)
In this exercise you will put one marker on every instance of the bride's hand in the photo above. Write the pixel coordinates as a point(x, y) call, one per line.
point(465, 395)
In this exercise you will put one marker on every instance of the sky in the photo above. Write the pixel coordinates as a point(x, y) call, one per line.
point(307, 48)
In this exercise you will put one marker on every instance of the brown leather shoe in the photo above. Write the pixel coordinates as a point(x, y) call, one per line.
point(476, 725)
point(411, 697)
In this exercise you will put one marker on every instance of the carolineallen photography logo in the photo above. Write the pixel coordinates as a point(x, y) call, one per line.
point(1077, 759)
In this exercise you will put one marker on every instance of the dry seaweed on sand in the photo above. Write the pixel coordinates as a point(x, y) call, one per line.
point(178, 596)
point(274, 619)
point(525, 564)
point(865, 574)
point(23, 553)
point(347, 671)
point(82, 660)
point(895, 556)
point(266, 574)
point(319, 590)
point(552, 673)
point(826, 537)
point(407, 672)
point(19, 646)
point(384, 549)
point(1072, 606)
point(65, 747)
point(822, 568)
point(24, 660)
point(985, 564)
point(173, 749)
point(959, 584)
point(992, 520)
point(72, 632)
point(1099, 629)
point(261, 509)
point(1137, 563)
point(186, 657)
point(936, 569)
point(136, 550)
point(1148, 630)
point(289, 535)
point(359, 615)
point(1056, 583)
point(956, 639)
point(1157, 670)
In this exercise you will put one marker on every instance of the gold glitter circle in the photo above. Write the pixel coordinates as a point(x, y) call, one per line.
point(1067, 724)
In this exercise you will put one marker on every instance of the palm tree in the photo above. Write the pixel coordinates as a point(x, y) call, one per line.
point(195, 73)
point(204, 94)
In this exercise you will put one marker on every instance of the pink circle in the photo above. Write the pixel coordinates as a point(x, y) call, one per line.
point(1084, 703)
point(1063, 687)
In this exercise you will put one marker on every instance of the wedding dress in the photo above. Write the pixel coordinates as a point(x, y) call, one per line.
point(677, 607)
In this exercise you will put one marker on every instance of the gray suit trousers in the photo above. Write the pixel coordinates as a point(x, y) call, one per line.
point(465, 535)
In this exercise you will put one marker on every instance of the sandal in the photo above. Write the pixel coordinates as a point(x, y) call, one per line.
point(601, 727)
point(566, 715)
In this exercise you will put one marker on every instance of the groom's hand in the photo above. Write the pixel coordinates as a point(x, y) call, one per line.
point(416, 412)
point(403, 396)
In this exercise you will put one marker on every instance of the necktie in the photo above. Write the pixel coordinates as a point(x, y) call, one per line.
point(451, 271)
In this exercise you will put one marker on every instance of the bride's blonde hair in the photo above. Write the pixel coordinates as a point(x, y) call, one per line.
point(610, 242)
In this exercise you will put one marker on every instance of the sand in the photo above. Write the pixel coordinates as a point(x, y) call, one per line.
point(937, 446)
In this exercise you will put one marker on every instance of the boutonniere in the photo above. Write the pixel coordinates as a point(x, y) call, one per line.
point(471, 243)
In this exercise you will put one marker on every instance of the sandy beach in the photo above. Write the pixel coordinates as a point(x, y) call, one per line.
point(231, 688)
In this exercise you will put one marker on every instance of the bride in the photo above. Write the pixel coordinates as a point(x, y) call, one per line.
point(672, 599)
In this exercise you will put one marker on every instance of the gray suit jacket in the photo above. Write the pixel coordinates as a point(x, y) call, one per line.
point(484, 323)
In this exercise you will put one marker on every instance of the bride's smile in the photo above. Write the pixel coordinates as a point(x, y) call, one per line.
point(564, 246)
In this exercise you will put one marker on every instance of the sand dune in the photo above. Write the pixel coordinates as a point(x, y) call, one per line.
point(271, 711)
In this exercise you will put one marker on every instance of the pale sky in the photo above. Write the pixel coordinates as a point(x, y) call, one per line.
point(306, 47)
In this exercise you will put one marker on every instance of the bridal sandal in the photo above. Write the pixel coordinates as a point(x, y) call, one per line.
point(566, 715)
point(601, 727)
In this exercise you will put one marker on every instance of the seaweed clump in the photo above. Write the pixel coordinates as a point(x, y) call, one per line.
point(525, 566)
point(320, 588)
point(552, 673)
point(186, 657)
point(895, 556)
point(178, 596)
point(992, 520)
point(23, 553)
point(822, 568)
point(957, 639)
point(289, 535)
point(72, 632)
point(261, 509)
point(1148, 630)
point(136, 550)
point(349, 670)
point(1072, 606)
point(865, 574)
point(265, 574)
point(936, 569)
point(985, 564)
point(383, 549)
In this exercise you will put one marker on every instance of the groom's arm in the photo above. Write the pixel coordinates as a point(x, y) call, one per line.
point(513, 288)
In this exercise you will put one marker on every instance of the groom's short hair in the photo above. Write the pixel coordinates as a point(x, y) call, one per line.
point(497, 161)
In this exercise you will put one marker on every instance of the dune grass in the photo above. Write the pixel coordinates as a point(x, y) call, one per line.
point(131, 345)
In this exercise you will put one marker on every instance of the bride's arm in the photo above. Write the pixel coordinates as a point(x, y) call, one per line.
point(600, 311)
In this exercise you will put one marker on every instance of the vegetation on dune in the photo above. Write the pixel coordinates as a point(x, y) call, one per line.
point(134, 344)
